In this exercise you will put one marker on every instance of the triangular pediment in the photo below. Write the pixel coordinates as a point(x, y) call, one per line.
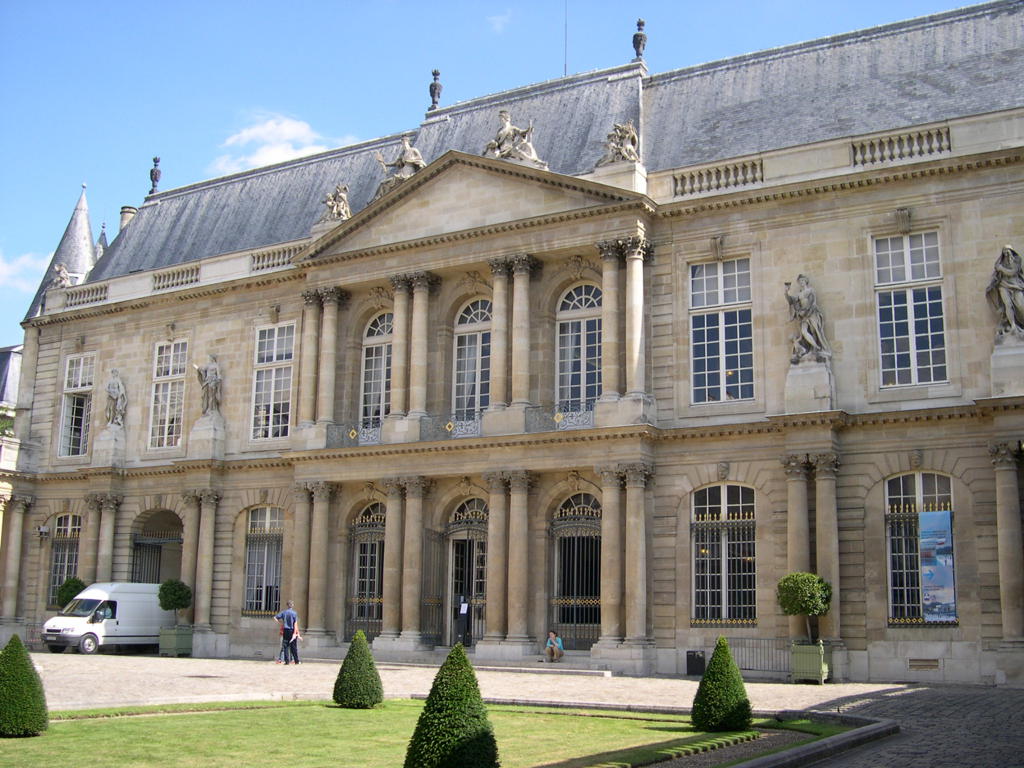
point(463, 193)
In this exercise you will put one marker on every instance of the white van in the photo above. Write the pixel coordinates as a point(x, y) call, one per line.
point(108, 613)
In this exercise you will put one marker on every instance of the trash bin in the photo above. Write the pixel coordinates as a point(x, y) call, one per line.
point(695, 662)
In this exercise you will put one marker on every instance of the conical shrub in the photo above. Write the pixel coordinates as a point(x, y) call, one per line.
point(453, 730)
point(358, 685)
point(721, 703)
point(22, 701)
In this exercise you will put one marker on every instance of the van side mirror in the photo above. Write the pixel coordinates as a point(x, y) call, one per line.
point(95, 618)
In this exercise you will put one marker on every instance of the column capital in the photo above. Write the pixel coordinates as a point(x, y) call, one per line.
point(637, 247)
point(524, 263)
point(22, 500)
point(610, 476)
point(94, 500)
point(826, 465)
point(637, 473)
point(334, 295)
point(301, 492)
point(496, 481)
point(423, 281)
point(794, 465)
point(190, 496)
point(500, 267)
point(520, 480)
point(610, 250)
point(321, 490)
point(1003, 455)
point(311, 297)
point(393, 486)
point(400, 283)
point(208, 496)
point(417, 485)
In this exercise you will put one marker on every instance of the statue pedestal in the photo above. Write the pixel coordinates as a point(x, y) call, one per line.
point(206, 440)
point(1007, 367)
point(809, 387)
point(623, 174)
point(108, 450)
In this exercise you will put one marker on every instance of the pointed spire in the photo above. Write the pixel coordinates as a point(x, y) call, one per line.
point(75, 252)
point(101, 244)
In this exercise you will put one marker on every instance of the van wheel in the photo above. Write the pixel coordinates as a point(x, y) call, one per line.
point(88, 644)
point(56, 648)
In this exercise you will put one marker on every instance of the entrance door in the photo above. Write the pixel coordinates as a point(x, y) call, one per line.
point(467, 596)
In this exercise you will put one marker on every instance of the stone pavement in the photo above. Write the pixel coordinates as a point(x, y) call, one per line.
point(962, 726)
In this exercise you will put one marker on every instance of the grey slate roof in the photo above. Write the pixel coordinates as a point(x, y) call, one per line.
point(75, 252)
point(948, 65)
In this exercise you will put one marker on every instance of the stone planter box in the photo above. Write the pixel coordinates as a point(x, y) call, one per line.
point(810, 662)
point(176, 641)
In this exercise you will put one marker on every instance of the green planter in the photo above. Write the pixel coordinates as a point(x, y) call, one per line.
point(810, 662)
point(176, 641)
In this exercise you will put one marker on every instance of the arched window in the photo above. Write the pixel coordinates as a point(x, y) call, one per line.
point(724, 561)
point(919, 530)
point(64, 553)
point(263, 544)
point(375, 399)
point(467, 535)
point(472, 390)
point(367, 585)
point(579, 349)
point(576, 601)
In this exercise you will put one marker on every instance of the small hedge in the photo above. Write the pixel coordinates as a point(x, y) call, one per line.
point(453, 730)
point(67, 591)
point(22, 700)
point(721, 703)
point(358, 684)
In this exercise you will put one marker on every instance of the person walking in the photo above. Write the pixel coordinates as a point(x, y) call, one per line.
point(289, 621)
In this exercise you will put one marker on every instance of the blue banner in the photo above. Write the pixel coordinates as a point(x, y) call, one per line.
point(938, 588)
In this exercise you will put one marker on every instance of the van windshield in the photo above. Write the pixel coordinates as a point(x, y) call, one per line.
point(80, 608)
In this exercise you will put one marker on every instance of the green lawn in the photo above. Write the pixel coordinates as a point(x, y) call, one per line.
point(319, 734)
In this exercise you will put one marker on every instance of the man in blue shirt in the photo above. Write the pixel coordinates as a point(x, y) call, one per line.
point(289, 621)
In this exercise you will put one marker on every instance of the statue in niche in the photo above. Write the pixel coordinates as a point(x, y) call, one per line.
point(210, 382)
point(117, 400)
point(61, 278)
point(409, 161)
point(809, 342)
point(1005, 293)
point(337, 204)
point(623, 144)
point(513, 143)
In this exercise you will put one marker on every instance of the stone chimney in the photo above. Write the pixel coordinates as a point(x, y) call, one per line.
point(127, 214)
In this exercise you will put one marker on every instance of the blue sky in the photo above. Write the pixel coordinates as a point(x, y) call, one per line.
point(91, 91)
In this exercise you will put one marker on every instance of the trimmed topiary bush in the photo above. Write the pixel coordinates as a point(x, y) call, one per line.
point(358, 685)
point(804, 594)
point(453, 730)
point(174, 596)
point(721, 703)
point(66, 592)
point(22, 700)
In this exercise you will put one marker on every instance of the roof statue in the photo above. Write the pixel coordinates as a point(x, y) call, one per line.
point(623, 143)
point(154, 175)
point(61, 278)
point(337, 204)
point(639, 40)
point(435, 90)
point(409, 161)
point(513, 143)
point(809, 342)
point(1005, 293)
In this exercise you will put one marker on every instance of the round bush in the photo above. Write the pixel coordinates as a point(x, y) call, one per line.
point(804, 594)
point(23, 708)
point(174, 595)
point(358, 684)
point(67, 591)
point(453, 730)
point(721, 703)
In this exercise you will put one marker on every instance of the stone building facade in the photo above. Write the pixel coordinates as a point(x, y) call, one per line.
point(614, 374)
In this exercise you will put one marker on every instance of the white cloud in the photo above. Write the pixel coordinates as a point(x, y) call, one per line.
point(23, 273)
point(271, 139)
point(498, 23)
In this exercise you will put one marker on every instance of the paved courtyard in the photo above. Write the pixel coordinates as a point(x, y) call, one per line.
point(962, 726)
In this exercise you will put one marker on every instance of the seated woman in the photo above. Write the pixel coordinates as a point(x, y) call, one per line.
point(554, 650)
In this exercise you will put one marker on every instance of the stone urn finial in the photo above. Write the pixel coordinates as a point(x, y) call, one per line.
point(639, 40)
point(154, 175)
point(435, 90)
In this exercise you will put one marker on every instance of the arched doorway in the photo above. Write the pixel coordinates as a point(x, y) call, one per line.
point(366, 585)
point(576, 601)
point(156, 547)
point(467, 573)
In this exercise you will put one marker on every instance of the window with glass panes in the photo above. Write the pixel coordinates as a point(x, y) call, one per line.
point(63, 553)
point(472, 391)
point(911, 326)
point(375, 398)
point(721, 331)
point(272, 382)
point(76, 413)
point(579, 348)
point(168, 394)
point(263, 544)
point(724, 555)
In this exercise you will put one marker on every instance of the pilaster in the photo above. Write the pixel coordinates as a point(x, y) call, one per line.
point(308, 360)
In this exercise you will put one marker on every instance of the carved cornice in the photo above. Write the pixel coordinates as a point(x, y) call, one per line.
point(1003, 455)
point(826, 465)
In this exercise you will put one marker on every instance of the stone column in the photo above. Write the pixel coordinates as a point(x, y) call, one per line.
point(400, 346)
point(1008, 534)
point(308, 359)
point(208, 499)
point(300, 553)
point(332, 298)
point(518, 565)
point(499, 335)
point(827, 539)
point(391, 591)
point(611, 556)
point(522, 266)
point(636, 249)
point(90, 539)
point(798, 544)
point(419, 343)
point(636, 552)
point(497, 556)
point(611, 257)
point(109, 504)
point(412, 560)
point(190, 545)
point(17, 508)
point(319, 544)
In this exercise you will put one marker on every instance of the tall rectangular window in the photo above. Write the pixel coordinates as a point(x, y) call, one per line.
point(721, 331)
point(724, 558)
point(263, 545)
point(272, 382)
point(64, 554)
point(76, 409)
point(168, 401)
point(911, 327)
